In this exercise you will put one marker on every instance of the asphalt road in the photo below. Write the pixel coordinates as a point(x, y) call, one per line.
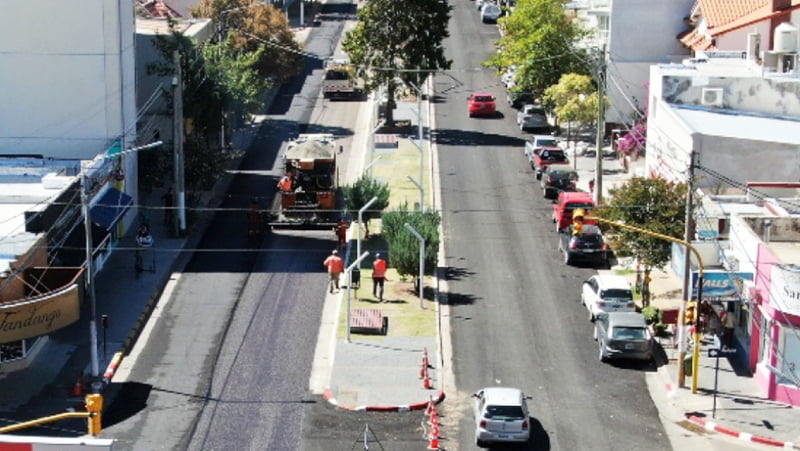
point(516, 319)
point(228, 362)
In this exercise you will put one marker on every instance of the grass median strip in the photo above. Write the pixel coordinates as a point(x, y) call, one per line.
point(400, 304)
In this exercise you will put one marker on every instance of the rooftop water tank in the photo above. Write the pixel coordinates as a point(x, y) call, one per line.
point(785, 38)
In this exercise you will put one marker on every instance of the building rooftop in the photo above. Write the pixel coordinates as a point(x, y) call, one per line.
point(739, 125)
point(27, 184)
point(188, 27)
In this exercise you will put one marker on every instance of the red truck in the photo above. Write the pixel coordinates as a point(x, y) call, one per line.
point(543, 151)
point(567, 202)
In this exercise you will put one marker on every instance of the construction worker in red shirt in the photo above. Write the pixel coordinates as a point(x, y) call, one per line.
point(378, 276)
point(335, 266)
point(341, 232)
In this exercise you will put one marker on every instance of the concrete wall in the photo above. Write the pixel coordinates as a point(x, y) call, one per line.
point(642, 32)
point(752, 94)
point(669, 143)
point(745, 160)
point(69, 92)
point(744, 242)
point(737, 39)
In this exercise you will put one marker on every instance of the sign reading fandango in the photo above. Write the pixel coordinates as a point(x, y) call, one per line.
point(39, 316)
point(784, 289)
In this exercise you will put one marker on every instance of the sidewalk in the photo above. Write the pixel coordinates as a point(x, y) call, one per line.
point(742, 409)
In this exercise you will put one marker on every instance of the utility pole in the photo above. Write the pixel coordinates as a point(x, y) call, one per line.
point(687, 275)
point(87, 223)
point(177, 137)
point(601, 124)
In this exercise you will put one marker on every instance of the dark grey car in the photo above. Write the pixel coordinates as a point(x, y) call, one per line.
point(623, 335)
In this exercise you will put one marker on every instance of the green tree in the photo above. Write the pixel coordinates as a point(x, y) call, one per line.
point(359, 193)
point(573, 99)
point(651, 204)
point(394, 39)
point(206, 95)
point(404, 246)
point(539, 39)
point(258, 29)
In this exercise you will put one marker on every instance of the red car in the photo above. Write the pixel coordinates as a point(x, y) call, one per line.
point(481, 104)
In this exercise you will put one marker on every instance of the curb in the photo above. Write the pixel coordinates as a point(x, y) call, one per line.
point(713, 426)
point(328, 395)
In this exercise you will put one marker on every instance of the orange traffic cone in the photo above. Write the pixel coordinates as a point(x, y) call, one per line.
point(433, 444)
point(434, 433)
point(427, 382)
point(77, 389)
point(431, 407)
point(434, 418)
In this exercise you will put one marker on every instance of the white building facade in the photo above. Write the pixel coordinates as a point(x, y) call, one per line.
point(67, 72)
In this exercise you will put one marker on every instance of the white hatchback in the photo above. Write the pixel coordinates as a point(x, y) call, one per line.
point(607, 293)
point(501, 416)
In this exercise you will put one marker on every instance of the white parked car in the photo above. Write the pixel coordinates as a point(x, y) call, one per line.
point(501, 416)
point(607, 293)
point(490, 13)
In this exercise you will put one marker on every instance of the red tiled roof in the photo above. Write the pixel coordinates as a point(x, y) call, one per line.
point(696, 40)
point(723, 16)
point(721, 12)
point(157, 8)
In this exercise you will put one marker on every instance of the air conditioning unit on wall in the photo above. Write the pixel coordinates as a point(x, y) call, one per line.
point(711, 97)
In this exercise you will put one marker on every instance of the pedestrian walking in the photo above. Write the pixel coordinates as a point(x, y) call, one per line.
point(335, 266)
point(646, 288)
point(341, 232)
point(729, 327)
point(168, 199)
point(378, 276)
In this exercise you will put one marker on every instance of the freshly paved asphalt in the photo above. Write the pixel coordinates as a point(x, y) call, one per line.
point(514, 307)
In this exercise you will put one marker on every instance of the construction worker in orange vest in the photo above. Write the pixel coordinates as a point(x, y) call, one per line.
point(335, 266)
point(285, 183)
point(378, 276)
point(341, 232)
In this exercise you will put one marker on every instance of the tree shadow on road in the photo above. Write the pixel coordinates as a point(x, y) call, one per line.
point(453, 137)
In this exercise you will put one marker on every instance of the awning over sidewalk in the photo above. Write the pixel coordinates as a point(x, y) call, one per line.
point(110, 208)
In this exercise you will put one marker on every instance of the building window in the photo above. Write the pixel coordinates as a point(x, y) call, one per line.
point(764, 343)
point(12, 351)
point(789, 357)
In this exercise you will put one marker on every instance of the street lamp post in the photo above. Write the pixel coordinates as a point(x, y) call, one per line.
point(360, 221)
point(87, 225)
point(87, 220)
point(421, 261)
point(421, 190)
point(349, 272)
point(419, 145)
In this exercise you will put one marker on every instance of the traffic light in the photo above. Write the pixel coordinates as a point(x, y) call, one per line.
point(94, 405)
point(690, 315)
point(577, 220)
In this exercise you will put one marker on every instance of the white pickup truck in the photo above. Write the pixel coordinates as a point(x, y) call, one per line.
point(532, 117)
point(339, 80)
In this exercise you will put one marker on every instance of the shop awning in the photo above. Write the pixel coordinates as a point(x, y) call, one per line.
point(110, 208)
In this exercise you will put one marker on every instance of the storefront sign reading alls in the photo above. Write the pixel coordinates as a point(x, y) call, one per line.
point(721, 285)
point(39, 316)
point(784, 290)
